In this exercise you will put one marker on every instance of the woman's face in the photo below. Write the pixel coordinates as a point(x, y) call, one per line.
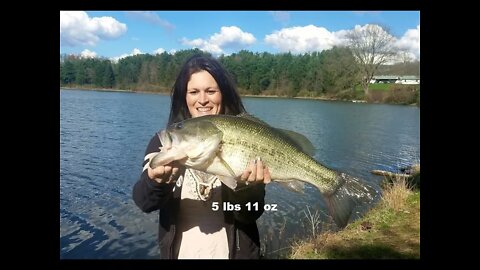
point(203, 95)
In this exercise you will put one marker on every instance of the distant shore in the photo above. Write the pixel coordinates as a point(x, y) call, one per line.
point(113, 90)
point(167, 94)
point(315, 98)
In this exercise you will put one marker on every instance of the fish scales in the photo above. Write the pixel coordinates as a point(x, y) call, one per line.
point(244, 140)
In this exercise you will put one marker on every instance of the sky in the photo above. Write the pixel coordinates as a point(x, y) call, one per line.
point(118, 34)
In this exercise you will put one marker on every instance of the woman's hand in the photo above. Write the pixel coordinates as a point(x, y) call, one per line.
point(256, 172)
point(166, 174)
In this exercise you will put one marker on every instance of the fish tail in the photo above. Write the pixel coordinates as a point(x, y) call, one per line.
point(350, 193)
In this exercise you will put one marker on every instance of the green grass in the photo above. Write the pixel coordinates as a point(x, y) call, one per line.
point(380, 86)
point(384, 86)
point(391, 230)
point(375, 86)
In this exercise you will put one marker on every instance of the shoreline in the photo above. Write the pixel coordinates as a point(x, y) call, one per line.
point(248, 95)
point(113, 90)
point(163, 93)
point(167, 94)
point(309, 98)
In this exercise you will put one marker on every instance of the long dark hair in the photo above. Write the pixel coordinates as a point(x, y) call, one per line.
point(231, 101)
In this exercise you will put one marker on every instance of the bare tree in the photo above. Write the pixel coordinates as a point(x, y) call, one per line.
point(372, 46)
point(404, 56)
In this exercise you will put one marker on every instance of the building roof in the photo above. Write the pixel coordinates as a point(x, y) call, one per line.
point(396, 77)
point(385, 77)
point(409, 77)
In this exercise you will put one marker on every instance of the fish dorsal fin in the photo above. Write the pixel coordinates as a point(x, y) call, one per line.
point(299, 140)
point(252, 118)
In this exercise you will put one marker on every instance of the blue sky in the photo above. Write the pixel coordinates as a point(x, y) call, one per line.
point(116, 34)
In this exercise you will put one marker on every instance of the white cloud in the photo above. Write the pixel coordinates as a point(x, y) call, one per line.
point(134, 52)
point(232, 36)
point(342, 34)
point(88, 54)
point(280, 16)
point(77, 28)
point(158, 51)
point(229, 37)
point(162, 50)
point(301, 39)
point(341, 37)
point(152, 18)
point(410, 43)
point(304, 39)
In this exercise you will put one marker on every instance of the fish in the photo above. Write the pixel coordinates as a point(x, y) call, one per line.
point(224, 145)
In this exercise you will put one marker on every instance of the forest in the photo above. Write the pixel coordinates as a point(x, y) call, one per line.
point(332, 72)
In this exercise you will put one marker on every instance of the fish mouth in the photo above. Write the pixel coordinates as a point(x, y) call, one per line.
point(166, 139)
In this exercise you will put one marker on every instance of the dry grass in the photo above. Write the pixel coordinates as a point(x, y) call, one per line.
point(395, 195)
point(391, 230)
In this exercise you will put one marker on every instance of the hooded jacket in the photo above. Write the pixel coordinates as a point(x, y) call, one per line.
point(242, 231)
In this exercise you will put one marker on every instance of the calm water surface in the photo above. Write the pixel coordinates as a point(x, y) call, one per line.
point(103, 136)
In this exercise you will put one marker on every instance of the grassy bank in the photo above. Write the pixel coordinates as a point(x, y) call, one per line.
point(391, 230)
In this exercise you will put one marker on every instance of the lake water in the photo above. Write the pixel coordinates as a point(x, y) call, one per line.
point(103, 136)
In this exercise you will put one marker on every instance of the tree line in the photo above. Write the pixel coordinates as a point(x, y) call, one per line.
point(310, 74)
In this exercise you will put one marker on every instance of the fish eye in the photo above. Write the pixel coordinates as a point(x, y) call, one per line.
point(179, 125)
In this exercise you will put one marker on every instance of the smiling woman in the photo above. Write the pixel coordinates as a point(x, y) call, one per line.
point(191, 223)
point(203, 95)
point(203, 79)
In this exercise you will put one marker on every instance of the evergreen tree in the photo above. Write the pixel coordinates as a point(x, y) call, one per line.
point(68, 73)
point(108, 76)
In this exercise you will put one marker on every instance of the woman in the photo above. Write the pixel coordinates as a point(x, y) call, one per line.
point(193, 221)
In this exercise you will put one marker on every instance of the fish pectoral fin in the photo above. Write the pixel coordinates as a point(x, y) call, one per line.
point(228, 181)
point(292, 185)
point(225, 164)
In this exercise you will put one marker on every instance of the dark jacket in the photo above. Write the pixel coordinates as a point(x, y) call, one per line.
point(241, 227)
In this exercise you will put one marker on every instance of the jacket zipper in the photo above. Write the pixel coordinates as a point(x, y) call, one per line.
point(238, 239)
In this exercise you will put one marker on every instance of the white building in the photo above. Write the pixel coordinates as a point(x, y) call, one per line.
point(408, 80)
point(396, 79)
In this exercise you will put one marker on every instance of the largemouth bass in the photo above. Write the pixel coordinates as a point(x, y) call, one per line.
point(224, 145)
